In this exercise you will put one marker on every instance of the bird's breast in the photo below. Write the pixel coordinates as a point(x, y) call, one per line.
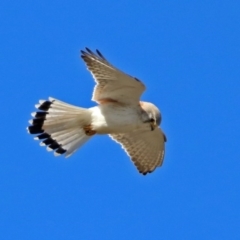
point(112, 118)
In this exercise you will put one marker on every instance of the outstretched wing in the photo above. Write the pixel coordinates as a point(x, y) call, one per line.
point(111, 84)
point(145, 148)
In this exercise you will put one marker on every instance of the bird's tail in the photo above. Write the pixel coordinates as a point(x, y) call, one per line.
point(60, 126)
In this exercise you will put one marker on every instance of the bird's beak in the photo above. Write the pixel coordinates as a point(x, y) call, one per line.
point(153, 125)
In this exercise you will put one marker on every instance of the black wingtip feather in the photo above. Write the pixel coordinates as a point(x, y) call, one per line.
point(145, 173)
point(89, 51)
point(137, 79)
point(83, 53)
point(99, 54)
point(165, 138)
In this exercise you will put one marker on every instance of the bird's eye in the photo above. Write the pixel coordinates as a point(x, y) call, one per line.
point(152, 120)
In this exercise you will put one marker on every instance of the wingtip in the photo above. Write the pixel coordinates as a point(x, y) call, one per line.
point(100, 54)
point(145, 173)
point(88, 51)
point(82, 52)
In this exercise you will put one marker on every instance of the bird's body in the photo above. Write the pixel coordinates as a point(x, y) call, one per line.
point(111, 118)
point(63, 128)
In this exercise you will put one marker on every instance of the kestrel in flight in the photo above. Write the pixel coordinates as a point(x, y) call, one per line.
point(64, 128)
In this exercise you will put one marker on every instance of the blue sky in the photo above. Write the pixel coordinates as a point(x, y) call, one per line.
point(188, 55)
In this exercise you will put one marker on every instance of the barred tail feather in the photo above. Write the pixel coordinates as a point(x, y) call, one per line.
point(60, 126)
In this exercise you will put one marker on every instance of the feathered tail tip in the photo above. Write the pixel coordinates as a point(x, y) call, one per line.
point(59, 126)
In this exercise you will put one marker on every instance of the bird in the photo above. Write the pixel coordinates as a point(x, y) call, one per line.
point(134, 124)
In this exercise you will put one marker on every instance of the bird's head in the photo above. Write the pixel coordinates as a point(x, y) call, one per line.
point(153, 114)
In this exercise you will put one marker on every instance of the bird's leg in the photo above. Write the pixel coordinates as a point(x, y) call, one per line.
point(88, 130)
